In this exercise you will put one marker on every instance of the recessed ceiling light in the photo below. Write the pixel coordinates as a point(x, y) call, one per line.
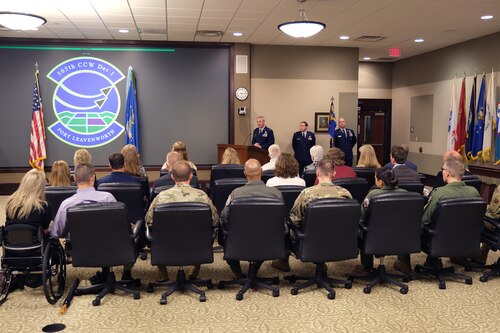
point(237, 34)
point(419, 40)
point(486, 17)
point(123, 31)
point(343, 37)
point(367, 58)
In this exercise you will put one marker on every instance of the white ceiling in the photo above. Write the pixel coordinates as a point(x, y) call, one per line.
point(439, 22)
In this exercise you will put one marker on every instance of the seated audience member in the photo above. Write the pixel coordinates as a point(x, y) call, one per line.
point(172, 158)
point(181, 148)
point(325, 189)
point(27, 205)
point(367, 157)
point(337, 157)
point(408, 163)
point(316, 156)
point(403, 173)
point(386, 182)
point(82, 156)
point(255, 187)
point(287, 172)
point(438, 182)
point(230, 156)
point(274, 152)
point(118, 174)
point(453, 170)
point(132, 164)
point(492, 211)
point(181, 192)
point(60, 174)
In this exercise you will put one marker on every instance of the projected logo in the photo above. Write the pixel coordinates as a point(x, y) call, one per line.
point(86, 102)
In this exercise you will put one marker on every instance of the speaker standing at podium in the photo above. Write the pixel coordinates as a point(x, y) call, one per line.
point(263, 136)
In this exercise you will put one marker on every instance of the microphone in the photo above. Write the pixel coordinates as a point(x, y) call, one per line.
point(244, 142)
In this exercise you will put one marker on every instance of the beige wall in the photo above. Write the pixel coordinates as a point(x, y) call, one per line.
point(375, 80)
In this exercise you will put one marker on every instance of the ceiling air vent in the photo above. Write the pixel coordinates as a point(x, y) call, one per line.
point(209, 33)
point(153, 31)
point(370, 38)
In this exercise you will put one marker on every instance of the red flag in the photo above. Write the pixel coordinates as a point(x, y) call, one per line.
point(461, 122)
point(37, 139)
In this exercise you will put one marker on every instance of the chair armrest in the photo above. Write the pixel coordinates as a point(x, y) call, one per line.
point(425, 228)
point(137, 229)
point(149, 236)
point(223, 227)
point(492, 221)
point(299, 234)
point(215, 231)
point(362, 227)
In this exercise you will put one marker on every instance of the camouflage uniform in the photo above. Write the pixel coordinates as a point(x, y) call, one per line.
point(320, 191)
point(181, 193)
point(493, 209)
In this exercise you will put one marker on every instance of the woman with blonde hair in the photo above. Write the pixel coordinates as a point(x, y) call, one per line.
point(181, 148)
point(287, 172)
point(60, 175)
point(82, 156)
point(367, 157)
point(230, 156)
point(132, 164)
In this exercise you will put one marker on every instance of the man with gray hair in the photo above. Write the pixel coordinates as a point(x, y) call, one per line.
point(263, 136)
point(316, 156)
point(274, 153)
point(165, 180)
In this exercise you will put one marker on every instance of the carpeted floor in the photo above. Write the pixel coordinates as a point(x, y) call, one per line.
point(426, 308)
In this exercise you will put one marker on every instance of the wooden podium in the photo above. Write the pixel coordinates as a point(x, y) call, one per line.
point(244, 153)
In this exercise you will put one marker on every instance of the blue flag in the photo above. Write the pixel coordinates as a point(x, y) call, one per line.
point(332, 123)
point(471, 120)
point(477, 140)
point(131, 120)
point(497, 136)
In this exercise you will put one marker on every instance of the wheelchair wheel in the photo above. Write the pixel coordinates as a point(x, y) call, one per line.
point(4, 285)
point(54, 271)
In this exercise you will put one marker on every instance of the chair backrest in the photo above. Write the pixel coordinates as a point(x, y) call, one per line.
point(22, 246)
point(221, 190)
point(358, 187)
point(330, 229)
point(474, 181)
point(268, 174)
point(159, 189)
point(366, 173)
point(255, 229)
point(55, 195)
point(393, 223)
point(423, 178)
point(222, 171)
point(182, 234)
point(101, 235)
point(415, 187)
point(129, 193)
point(290, 194)
point(455, 228)
point(309, 177)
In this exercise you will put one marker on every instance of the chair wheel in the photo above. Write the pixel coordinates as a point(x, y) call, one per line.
point(239, 297)
point(276, 293)
point(210, 285)
point(348, 285)
point(163, 301)
point(137, 295)
point(220, 285)
point(468, 281)
point(442, 285)
point(203, 298)
point(483, 278)
point(294, 291)
point(367, 290)
point(150, 288)
point(331, 295)
point(403, 290)
point(96, 302)
point(144, 256)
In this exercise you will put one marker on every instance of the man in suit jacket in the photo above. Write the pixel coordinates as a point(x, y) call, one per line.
point(403, 173)
point(345, 139)
point(408, 163)
point(302, 142)
point(263, 136)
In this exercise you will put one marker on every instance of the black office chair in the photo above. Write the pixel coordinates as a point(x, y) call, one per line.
point(27, 254)
point(101, 236)
point(474, 181)
point(132, 194)
point(358, 187)
point(454, 231)
point(255, 232)
point(266, 175)
point(415, 187)
point(327, 233)
point(163, 172)
point(492, 239)
point(55, 195)
point(309, 177)
point(156, 190)
point(222, 171)
point(366, 173)
point(422, 177)
point(221, 190)
point(290, 194)
point(182, 235)
point(391, 227)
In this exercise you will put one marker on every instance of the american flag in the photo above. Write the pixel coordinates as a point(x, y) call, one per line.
point(37, 139)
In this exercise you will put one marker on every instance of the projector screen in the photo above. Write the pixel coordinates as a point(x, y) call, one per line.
point(182, 94)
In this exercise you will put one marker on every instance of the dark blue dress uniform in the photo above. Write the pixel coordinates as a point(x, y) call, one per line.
point(265, 138)
point(301, 145)
point(345, 142)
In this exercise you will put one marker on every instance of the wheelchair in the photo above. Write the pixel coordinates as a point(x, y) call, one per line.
point(27, 254)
